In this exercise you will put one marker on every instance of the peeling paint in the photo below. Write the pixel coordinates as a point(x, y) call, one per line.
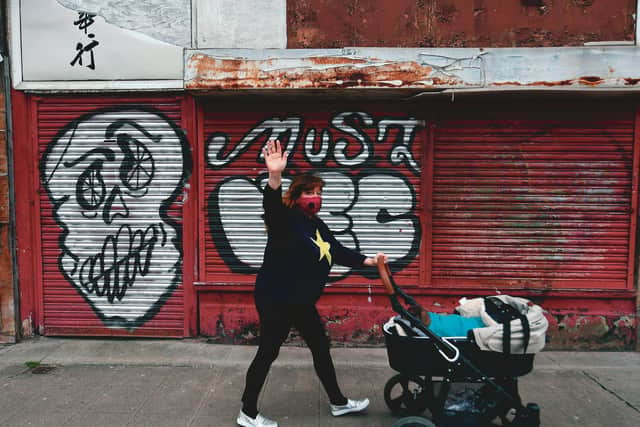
point(312, 72)
point(577, 332)
point(27, 327)
point(426, 69)
point(625, 329)
point(238, 324)
point(591, 80)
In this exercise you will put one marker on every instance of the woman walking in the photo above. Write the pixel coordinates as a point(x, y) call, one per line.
point(297, 259)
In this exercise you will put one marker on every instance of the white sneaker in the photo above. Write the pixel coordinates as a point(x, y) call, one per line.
point(259, 421)
point(351, 406)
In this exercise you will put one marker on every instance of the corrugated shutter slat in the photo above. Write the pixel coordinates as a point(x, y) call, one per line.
point(532, 203)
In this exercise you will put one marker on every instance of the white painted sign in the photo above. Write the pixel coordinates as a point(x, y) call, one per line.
point(69, 45)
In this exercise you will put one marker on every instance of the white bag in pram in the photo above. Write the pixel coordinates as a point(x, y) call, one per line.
point(490, 338)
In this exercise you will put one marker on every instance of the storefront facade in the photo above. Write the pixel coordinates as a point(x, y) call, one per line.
point(139, 212)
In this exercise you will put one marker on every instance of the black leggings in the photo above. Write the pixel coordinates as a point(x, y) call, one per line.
point(276, 320)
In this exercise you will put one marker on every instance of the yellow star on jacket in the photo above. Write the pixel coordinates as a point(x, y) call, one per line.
point(323, 246)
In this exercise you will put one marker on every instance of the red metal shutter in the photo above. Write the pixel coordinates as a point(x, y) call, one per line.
point(371, 203)
point(112, 173)
point(534, 200)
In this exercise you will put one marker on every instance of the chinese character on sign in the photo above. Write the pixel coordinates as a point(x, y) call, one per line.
point(84, 21)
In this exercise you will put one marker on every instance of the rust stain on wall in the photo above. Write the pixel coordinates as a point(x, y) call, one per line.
point(590, 80)
point(457, 23)
point(326, 72)
point(3, 152)
point(312, 72)
point(4, 199)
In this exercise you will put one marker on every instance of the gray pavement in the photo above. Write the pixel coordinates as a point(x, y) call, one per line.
point(116, 382)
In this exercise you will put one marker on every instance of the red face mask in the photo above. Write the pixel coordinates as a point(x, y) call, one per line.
point(310, 205)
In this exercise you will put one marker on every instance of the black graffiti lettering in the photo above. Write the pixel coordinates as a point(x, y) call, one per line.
point(90, 188)
point(318, 156)
point(392, 217)
point(110, 273)
point(106, 152)
point(353, 148)
point(349, 123)
point(356, 209)
point(115, 206)
point(383, 216)
point(138, 167)
point(381, 203)
point(401, 151)
point(287, 130)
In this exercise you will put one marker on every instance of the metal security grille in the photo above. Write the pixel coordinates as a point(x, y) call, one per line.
point(534, 200)
point(371, 199)
point(111, 178)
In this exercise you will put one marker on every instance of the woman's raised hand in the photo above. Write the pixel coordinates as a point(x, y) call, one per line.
point(274, 157)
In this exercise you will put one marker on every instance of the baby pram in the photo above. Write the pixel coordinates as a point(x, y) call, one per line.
point(427, 367)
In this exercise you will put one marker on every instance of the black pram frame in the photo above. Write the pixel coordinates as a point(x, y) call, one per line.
point(423, 363)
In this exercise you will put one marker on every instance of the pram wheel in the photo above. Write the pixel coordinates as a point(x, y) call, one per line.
point(406, 395)
point(413, 422)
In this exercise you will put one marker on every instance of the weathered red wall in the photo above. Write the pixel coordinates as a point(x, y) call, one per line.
point(229, 317)
point(7, 314)
point(457, 23)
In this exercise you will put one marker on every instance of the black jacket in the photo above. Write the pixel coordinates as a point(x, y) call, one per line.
point(299, 254)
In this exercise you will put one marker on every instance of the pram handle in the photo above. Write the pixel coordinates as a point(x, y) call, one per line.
point(385, 276)
point(390, 285)
point(393, 290)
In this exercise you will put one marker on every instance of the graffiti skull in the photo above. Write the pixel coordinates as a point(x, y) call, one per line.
point(112, 177)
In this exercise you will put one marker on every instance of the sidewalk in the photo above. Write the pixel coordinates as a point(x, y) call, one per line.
point(114, 382)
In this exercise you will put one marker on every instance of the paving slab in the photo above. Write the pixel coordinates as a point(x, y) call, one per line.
point(223, 394)
point(39, 419)
point(571, 398)
point(623, 383)
point(584, 360)
point(286, 383)
point(175, 395)
point(93, 418)
point(214, 421)
point(160, 420)
point(29, 350)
